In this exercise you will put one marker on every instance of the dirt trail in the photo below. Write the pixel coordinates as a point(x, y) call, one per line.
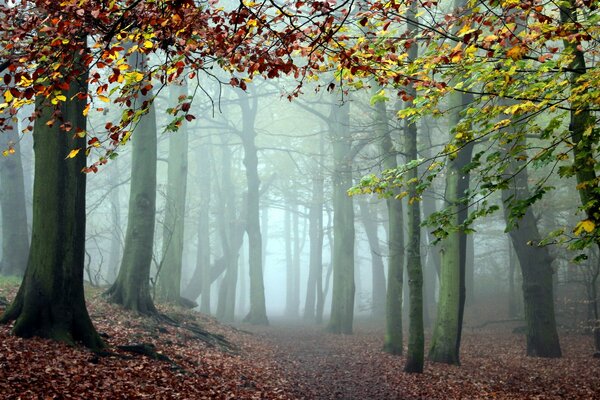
point(320, 365)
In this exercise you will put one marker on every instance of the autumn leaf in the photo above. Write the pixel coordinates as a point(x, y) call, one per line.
point(586, 225)
point(516, 53)
point(73, 153)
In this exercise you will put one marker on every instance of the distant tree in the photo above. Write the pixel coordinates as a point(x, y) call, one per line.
point(258, 312)
point(169, 277)
point(15, 235)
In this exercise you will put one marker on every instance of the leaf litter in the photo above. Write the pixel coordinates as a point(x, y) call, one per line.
point(192, 356)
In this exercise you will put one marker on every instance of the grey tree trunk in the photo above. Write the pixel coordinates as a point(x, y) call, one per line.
point(416, 340)
point(536, 268)
point(258, 312)
point(203, 255)
point(342, 302)
point(314, 291)
point(393, 308)
point(132, 287)
point(15, 234)
point(231, 230)
point(369, 220)
point(50, 302)
point(116, 235)
point(169, 279)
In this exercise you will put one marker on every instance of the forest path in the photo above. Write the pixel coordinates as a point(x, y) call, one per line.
point(321, 365)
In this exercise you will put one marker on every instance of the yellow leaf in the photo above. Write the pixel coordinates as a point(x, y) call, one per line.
point(148, 44)
point(516, 53)
point(585, 225)
point(86, 110)
point(8, 96)
point(58, 98)
point(104, 98)
point(73, 153)
point(134, 76)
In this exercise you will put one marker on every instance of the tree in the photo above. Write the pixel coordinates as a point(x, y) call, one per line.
point(50, 302)
point(15, 235)
point(258, 312)
point(393, 326)
point(535, 262)
point(342, 302)
point(169, 278)
point(132, 287)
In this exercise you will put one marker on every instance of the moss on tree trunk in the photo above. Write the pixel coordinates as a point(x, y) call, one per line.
point(50, 302)
point(132, 287)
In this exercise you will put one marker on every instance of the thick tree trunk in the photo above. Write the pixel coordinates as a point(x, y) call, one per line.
point(448, 329)
point(258, 311)
point(169, 279)
point(536, 268)
point(585, 158)
point(342, 302)
point(50, 302)
point(132, 287)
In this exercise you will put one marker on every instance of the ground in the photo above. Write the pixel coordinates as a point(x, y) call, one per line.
point(191, 356)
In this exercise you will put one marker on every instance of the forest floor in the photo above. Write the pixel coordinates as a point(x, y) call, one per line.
point(191, 356)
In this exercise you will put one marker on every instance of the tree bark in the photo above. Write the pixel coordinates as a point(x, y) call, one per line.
point(15, 234)
point(416, 339)
point(50, 302)
point(370, 225)
point(258, 311)
point(536, 267)
point(393, 307)
point(314, 289)
point(169, 278)
point(132, 287)
point(342, 302)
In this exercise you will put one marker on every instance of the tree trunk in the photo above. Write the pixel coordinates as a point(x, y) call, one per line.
point(342, 302)
point(15, 234)
point(377, 269)
point(203, 255)
point(169, 278)
point(393, 306)
point(116, 242)
point(314, 288)
point(416, 340)
point(585, 160)
point(231, 230)
point(512, 293)
point(258, 311)
point(50, 302)
point(132, 287)
point(448, 329)
point(536, 267)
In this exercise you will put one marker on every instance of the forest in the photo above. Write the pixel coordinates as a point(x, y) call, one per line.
point(290, 199)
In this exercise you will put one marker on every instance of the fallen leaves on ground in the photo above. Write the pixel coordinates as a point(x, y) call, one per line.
point(194, 361)
point(320, 365)
point(197, 368)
